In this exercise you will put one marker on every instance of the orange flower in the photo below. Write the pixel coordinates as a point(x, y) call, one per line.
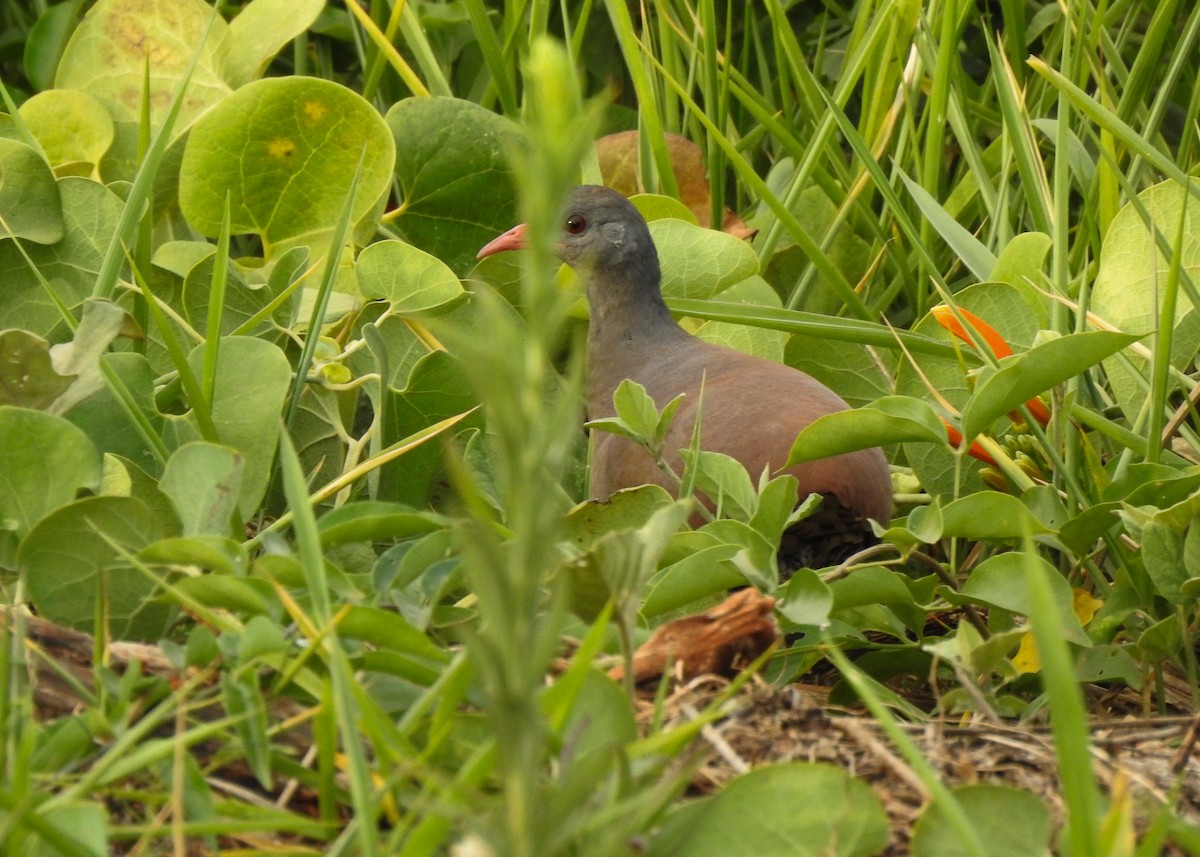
point(999, 348)
point(975, 451)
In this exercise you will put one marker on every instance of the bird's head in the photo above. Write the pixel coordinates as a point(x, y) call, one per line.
point(602, 234)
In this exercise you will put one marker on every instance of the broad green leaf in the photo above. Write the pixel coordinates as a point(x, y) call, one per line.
point(724, 481)
point(90, 212)
point(618, 565)
point(108, 51)
point(787, 263)
point(251, 385)
point(870, 585)
point(1021, 262)
point(285, 151)
point(625, 510)
point(47, 39)
point(759, 341)
point(103, 418)
point(203, 481)
point(1002, 581)
point(989, 515)
point(851, 369)
point(1024, 376)
point(974, 254)
point(802, 810)
point(27, 378)
point(249, 596)
point(1131, 274)
point(892, 419)
point(30, 205)
point(437, 388)
point(84, 824)
point(410, 279)
point(70, 560)
point(698, 262)
point(73, 128)
point(1162, 552)
point(388, 630)
point(653, 206)
point(703, 573)
point(259, 31)
point(806, 599)
point(44, 463)
point(1009, 822)
point(374, 521)
point(217, 553)
point(456, 185)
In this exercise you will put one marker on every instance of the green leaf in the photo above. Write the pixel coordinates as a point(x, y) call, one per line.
point(285, 151)
point(73, 128)
point(724, 481)
point(806, 599)
point(70, 558)
point(249, 391)
point(389, 630)
point(989, 515)
point(892, 419)
point(457, 188)
point(47, 39)
point(203, 480)
point(627, 509)
point(759, 341)
point(802, 810)
point(1003, 581)
point(374, 521)
point(1162, 552)
point(408, 278)
point(27, 377)
point(1131, 274)
point(1010, 823)
point(70, 266)
point(974, 254)
point(30, 206)
point(44, 462)
point(698, 262)
point(259, 31)
point(1024, 376)
point(216, 553)
point(108, 51)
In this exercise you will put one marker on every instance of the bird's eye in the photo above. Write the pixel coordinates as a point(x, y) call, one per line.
point(576, 223)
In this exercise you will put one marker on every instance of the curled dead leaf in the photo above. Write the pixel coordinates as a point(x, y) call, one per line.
point(718, 641)
point(618, 155)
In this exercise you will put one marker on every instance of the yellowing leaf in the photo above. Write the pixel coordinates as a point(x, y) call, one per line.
point(1083, 605)
point(1026, 660)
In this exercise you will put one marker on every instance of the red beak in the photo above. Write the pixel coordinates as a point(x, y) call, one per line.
point(513, 239)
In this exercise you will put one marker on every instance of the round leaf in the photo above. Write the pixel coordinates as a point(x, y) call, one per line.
point(285, 151)
point(409, 278)
point(72, 127)
point(452, 166)
point(1007, 822)
point(698, 262)
point(44, 462)
point(108, 52)
point(800, 810)
point(29, 199)
point(1132, 272)
point(71, 556)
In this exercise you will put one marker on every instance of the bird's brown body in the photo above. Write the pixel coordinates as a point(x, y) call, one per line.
point(752, 409)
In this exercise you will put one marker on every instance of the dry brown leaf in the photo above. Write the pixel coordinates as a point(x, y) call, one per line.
point(718, 641)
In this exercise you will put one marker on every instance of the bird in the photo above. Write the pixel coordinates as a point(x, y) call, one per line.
point(752, 408)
